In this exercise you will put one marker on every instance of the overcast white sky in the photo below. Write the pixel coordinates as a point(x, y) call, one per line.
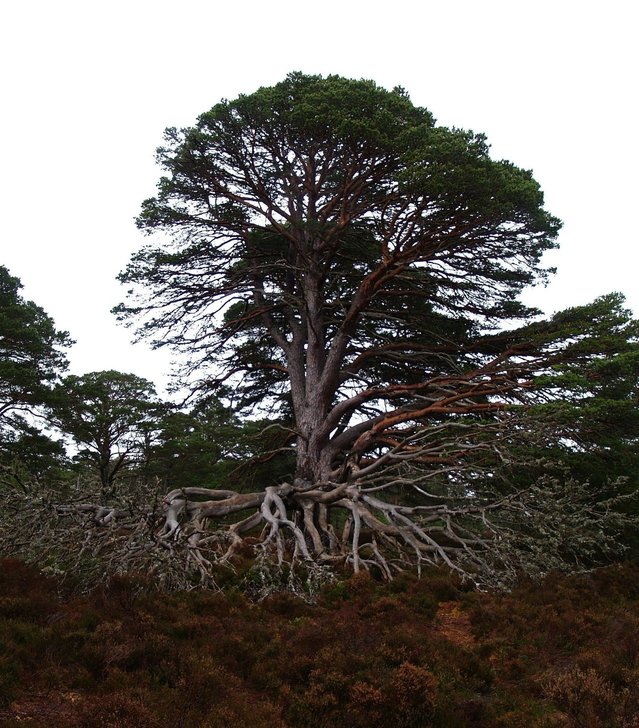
point(87, 89)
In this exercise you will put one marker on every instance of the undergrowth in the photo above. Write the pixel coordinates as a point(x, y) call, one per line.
point(407, 654)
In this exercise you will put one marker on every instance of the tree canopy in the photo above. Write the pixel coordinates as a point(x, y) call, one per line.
point(332, 258)
point(110, 416)
point(32, 359)
point(32, 353)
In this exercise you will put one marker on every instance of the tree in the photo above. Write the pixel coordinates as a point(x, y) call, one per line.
point(32, 358)
point(109, 415)
point(592, 419)
point(31, 350)
point(334, 260)
point(28, 453)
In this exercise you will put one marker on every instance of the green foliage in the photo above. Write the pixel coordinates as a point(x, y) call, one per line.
point(588, 401)
point(32, 358)
point(332, 176)
point(27, 451)
point(209, 446)
point(110, 415)
point(31, 349)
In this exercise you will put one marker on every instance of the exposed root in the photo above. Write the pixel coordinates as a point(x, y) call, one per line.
point(184, 539)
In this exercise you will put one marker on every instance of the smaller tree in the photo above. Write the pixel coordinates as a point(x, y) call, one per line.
point(27, 450)
point(31, 350)
point(32, 359)
point(109, 415)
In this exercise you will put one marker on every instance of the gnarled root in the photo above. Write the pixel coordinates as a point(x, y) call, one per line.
point(295, 532)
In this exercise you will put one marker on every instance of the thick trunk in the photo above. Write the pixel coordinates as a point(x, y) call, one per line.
point(312, 442)
point(311, 396)
point(104, 466)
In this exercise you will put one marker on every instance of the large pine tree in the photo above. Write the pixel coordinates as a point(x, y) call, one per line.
point(331, 256)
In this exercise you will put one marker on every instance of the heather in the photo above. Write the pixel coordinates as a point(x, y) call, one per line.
point(415, 652)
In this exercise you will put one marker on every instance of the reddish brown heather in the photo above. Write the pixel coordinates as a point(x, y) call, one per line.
point(413, 653)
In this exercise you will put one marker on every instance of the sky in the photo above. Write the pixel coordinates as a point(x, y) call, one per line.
point(87, 88)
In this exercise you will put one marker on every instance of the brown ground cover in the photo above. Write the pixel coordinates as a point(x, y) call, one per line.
point(412, 653)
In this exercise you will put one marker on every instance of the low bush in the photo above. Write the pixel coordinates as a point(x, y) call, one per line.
point(411, 654)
